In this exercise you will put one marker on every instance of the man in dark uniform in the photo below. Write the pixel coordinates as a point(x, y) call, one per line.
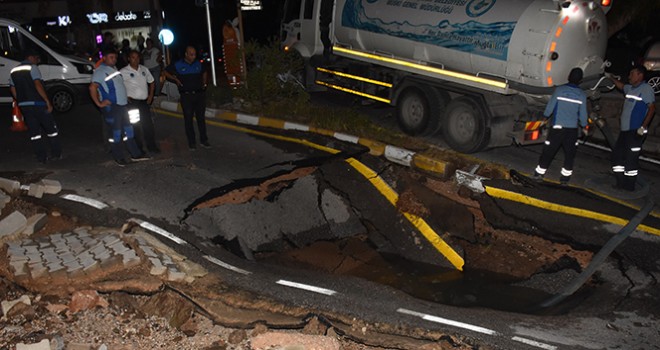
point(567, 109)
point(191, 77)
point(27, 88)
point(636, 116)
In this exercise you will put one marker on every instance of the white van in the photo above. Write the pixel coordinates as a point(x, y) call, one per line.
point(66, 78)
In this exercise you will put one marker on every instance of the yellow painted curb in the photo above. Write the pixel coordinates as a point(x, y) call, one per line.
point(559, 208)
point(440, 167)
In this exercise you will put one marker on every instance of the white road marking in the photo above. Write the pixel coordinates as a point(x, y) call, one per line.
point(448, 322)
point(91, 202)
point(155, 229)
point(534, 343)
point(225, 265)
point(307, 287)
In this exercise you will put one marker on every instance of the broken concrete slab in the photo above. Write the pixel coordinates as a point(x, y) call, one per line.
point(4, 199)
point(36, 190)
point(300, 214)
point(12, 224)
point(51, 186)
point(35, 223)
point(8, 304)
point(9, 186)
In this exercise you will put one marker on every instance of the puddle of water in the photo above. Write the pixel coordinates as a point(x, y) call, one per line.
point(470, 288)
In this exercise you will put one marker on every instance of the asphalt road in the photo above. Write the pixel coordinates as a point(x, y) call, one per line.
point(159, 190)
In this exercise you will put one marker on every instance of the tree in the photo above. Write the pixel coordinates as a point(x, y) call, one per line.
point(624, 12)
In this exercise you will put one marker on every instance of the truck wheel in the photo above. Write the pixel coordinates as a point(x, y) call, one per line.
point(464, 126)
point(62, 99)
point(415, 110)
point(655, 84)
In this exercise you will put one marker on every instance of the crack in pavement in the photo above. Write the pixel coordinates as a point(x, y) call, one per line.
point(243, 190)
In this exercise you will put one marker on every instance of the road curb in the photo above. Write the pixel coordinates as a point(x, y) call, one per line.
point(438, 167)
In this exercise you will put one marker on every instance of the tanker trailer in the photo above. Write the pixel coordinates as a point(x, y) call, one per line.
point(479, 71)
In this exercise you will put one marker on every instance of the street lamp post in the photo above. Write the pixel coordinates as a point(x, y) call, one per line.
point(208, 24)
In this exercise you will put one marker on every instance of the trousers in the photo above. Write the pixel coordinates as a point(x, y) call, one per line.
point(194, 105)
point(39, 121)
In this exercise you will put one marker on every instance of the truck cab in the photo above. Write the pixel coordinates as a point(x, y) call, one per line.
point(65, 77)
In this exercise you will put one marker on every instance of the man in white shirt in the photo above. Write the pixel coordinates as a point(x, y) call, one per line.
point(139, 85)
point(153, 59)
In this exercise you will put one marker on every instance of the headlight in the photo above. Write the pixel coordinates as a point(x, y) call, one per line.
point(84, 68)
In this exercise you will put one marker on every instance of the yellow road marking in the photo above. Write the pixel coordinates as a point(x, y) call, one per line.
point(559, 208)
point(438, 243)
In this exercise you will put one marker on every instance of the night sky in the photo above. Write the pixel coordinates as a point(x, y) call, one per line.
point(188, 22)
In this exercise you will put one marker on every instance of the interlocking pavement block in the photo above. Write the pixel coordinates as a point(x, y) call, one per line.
point(35, 223)
point(14, 223)
point(157, 267)
point(51, 186)
point(9, 186)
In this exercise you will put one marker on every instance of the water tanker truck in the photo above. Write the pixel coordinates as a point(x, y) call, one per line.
point(478, 71)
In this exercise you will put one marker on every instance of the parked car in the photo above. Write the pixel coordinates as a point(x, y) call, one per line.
point(651, 61)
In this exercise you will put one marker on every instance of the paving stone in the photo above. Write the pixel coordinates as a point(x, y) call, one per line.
point(51, 258)
point(35, 223)
point(55, 237)
point(42, 345)
point(36, 190)
point(84, 256)
point(67, 257)
point(157, 267)
point(110, 239)
point(9, 186)
point(174, 275)
point(14, 223)
point(33, 257)
point(82, 231)
point(54, 267)
point(38, 270)
point(51, 186)
point(17, 257)
point(99, 250)
point(119, 248)
point(31, 249)
point(148, 251)
point(89, 264)
point(15, 249)
point(19, 267)
point(46, 245)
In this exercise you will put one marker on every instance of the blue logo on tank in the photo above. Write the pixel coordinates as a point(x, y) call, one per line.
point(476, 8)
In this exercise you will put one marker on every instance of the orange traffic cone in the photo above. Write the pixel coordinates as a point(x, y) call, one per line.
point(17, 118)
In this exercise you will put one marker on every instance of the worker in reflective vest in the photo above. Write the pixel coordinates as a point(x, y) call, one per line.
point(637, 114)
point(567, 109)
point(109, 94)
point(27, 88)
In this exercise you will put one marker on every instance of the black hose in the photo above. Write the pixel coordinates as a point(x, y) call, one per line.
point(600, 257)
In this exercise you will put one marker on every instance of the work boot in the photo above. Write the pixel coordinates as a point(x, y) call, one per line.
point(564, 180)
point(537, 177)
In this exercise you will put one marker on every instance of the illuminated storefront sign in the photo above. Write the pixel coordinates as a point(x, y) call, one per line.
point(247, 5)
point(97, 17)
point(60, 21)
point(125, 16)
